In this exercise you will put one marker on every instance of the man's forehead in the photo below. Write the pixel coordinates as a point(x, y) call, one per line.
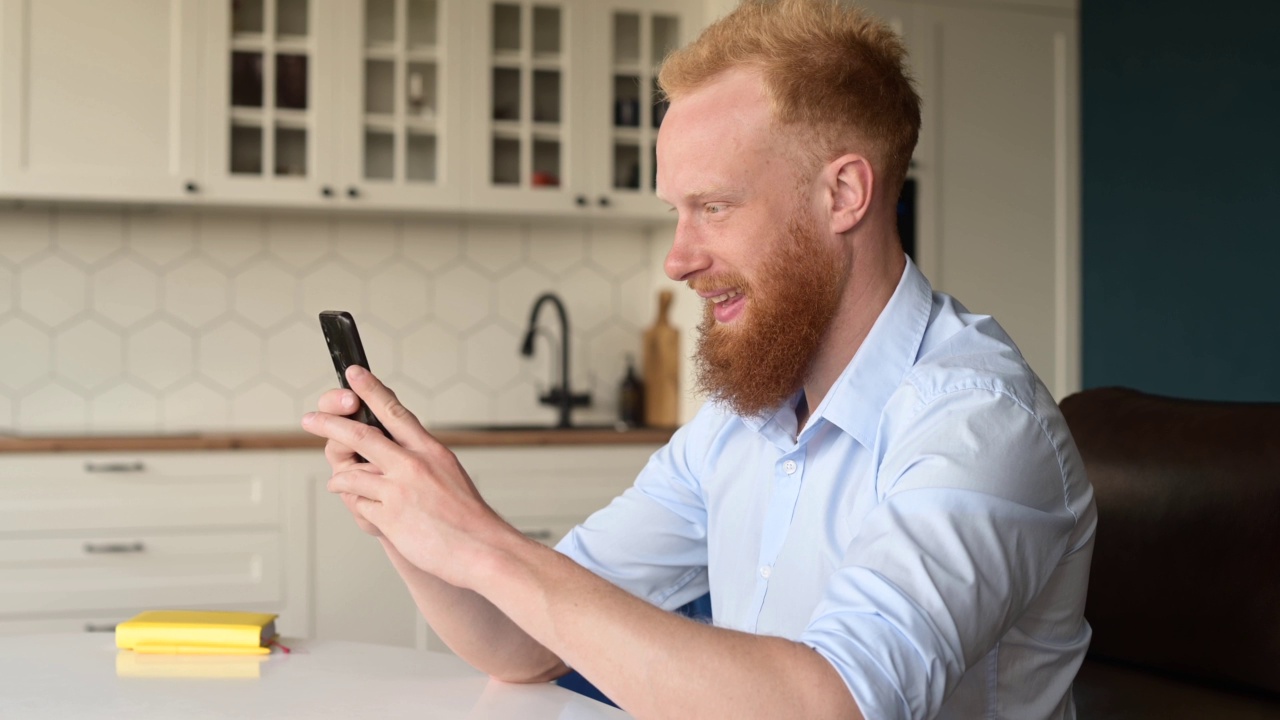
point(734, 97)
point(709, 135)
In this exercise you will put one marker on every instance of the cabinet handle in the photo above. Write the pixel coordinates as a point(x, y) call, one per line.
point(580, 201)
point(94, 627)
point(114, 548)
point(192, 187)
point(326, 191)
point(353, 192)
point(540, 535)
point(115, 467)
point(603, 201)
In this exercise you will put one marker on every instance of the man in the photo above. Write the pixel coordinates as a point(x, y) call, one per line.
point(882, 498)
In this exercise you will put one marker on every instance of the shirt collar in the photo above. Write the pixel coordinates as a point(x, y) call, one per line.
point(857, 398)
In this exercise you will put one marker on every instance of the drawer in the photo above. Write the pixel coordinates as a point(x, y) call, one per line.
point(156, 490)
point(98, 575)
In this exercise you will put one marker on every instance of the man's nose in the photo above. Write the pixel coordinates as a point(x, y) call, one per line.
point(687, 255)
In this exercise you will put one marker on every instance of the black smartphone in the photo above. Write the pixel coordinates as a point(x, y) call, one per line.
point(346, 350)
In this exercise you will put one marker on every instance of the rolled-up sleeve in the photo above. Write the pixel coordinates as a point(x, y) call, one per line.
point(972, 518)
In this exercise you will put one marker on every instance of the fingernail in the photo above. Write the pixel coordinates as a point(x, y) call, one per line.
point(348, 401)
point(308, 418)
point(355, 371)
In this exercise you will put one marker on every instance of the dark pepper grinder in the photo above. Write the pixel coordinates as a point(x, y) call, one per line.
point(631, 397)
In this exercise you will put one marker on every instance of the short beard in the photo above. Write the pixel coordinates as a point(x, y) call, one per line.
point(757, 363)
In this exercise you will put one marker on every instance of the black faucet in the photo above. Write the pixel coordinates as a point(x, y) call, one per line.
point(559, 396)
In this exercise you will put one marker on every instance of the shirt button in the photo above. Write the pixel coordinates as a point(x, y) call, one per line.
point(766, 571)
point(789, 467)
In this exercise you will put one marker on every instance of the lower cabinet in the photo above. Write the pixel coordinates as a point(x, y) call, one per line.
point(90, 539)
point(543, 491)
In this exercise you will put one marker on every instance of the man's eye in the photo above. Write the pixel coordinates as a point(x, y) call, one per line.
point(715, 208)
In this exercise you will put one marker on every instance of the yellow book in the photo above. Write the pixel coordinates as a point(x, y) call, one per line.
point(134, 665)
point(189, 632)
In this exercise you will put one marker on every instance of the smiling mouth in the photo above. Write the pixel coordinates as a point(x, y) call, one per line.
point(718, 299)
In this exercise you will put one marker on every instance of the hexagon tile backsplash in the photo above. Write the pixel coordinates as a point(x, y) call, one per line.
point(133, 321)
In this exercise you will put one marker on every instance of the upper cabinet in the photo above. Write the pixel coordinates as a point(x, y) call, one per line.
point(96, 99)
point(639, 38)
point(268, 89)
point(542, 107)
point(332, 104)
point(567, 106)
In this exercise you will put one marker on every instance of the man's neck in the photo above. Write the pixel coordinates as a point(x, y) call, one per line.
point(871, 284)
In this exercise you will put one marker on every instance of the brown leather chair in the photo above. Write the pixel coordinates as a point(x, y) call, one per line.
point(1184, 594)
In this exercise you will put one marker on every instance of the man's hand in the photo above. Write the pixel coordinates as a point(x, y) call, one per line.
point(412, 490)
point(341, 401)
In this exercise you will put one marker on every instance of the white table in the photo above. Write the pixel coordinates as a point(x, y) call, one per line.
point(84, 676)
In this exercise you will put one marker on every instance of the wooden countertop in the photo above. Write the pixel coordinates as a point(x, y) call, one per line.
point(291, 441)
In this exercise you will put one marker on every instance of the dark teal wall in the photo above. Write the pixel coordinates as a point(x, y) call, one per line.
point(1181, 196)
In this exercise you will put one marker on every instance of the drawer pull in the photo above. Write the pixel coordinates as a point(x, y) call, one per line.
point(113, 548)
point(94, 627)
point(115, 467)
point(542, 535)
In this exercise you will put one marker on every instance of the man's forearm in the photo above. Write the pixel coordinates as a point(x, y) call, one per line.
point(653, 663)
point(474, 628)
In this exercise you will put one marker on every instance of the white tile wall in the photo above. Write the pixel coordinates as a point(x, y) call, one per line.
point(129, 320)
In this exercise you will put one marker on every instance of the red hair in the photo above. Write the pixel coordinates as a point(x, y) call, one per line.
point(833, 72)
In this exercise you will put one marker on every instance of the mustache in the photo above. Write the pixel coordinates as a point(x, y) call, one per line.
point(707, 283)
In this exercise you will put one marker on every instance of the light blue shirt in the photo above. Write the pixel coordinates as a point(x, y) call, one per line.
point(928, 531)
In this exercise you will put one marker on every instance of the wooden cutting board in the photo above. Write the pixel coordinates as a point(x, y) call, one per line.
point(661, 368)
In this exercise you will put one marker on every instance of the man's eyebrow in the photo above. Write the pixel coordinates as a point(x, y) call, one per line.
point(710, 191)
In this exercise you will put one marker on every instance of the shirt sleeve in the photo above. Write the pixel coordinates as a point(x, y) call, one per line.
point(652, 540)
point(971, 520)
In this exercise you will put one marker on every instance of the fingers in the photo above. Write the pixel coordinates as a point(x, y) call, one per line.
point(338, 401)
point(358, 506)
point(357, 483)
point(373, 445)
point(339, 456)
point(401, 423)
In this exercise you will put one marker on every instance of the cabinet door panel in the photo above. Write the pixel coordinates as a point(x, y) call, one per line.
point(98, 99)
point(626, 110)
point(398, 107)
point(109, 491)
point(103, 573)
point(529, 138)
point(268, 94)
point(1006, 162)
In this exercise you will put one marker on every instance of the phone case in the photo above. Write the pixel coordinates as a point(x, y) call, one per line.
point(346, 350)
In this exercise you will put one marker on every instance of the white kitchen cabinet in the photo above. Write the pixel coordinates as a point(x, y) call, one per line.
point(90, 539)
point(1003, 220)
point(997, 165)
point(630, 111)
point(544, 491)
point(333, 104)
point(508, 107)
point(98, 100)
point(87, 540)
point(565, 104)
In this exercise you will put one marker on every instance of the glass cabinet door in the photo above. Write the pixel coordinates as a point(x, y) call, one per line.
point(639, 36)
point(528, 105)
point(403, 97)
point(266, 137)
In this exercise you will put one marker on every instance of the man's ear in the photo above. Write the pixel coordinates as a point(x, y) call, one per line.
point(850, 184)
